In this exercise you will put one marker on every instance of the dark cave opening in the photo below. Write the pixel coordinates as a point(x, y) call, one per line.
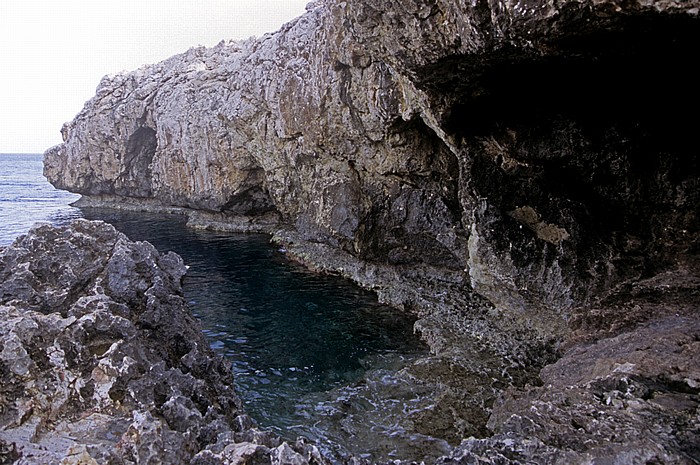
point(254, 201)
point(141, 146)
point(600, 135)
point(140, 150)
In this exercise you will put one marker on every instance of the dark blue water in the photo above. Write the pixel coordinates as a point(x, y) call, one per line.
point(313, 355)
point(289, 332)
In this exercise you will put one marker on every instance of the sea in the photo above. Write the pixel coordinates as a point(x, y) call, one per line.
point(26, 197)
point(312, 355)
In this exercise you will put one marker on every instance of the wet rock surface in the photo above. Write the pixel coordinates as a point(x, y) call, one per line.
point(102, 362)
point(622, 387)
point(523, 176)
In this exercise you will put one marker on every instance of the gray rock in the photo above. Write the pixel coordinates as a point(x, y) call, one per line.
point(615, 401)
point(101, 360)
point(512, 172)
point(488, 138)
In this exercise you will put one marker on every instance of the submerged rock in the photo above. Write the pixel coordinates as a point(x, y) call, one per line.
point(102, 362)
point(521, 175)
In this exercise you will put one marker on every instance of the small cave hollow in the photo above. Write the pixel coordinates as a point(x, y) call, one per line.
point(253, 201)
point(251, 198)
point(140, 150)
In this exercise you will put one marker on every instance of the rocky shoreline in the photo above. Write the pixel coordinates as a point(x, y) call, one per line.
point(523, 177)
point(102, 362)
point(88, 376)
point(621, 388)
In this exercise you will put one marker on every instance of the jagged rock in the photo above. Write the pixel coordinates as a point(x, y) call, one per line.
point(525, 144)
point(615, 401)
point(101, 360)
point(510, 171)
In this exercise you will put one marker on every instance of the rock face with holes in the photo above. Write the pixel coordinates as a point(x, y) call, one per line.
point(522, 175)
point(102, 362)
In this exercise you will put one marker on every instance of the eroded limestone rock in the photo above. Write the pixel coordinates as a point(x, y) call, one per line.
point(422, 132)
point(102, 362)
point(516, 173)
point(615, 401)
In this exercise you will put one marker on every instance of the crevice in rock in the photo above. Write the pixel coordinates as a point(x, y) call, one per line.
point(345, 94)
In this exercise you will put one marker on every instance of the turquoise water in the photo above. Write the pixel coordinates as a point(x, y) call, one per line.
point(312, 355)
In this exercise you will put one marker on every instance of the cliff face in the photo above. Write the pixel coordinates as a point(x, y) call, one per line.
point(509, 170)
point(538, 147)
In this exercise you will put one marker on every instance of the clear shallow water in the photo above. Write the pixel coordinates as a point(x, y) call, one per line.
point(26, 197)
point(313, 355)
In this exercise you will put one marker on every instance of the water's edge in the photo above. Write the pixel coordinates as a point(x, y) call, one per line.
point(433, 400)
point(330, 364)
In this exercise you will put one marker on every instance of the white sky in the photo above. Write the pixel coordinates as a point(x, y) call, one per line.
point(53, 53)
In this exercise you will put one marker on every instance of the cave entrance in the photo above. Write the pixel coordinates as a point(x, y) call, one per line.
point(599, 135)
point(140, 150)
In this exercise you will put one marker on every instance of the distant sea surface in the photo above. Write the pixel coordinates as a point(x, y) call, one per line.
point(26, 197)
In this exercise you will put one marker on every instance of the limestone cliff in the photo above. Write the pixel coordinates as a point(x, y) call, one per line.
point(509, 170)
point(538, 146)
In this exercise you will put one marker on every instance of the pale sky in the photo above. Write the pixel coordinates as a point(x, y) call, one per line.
point(53, 53)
